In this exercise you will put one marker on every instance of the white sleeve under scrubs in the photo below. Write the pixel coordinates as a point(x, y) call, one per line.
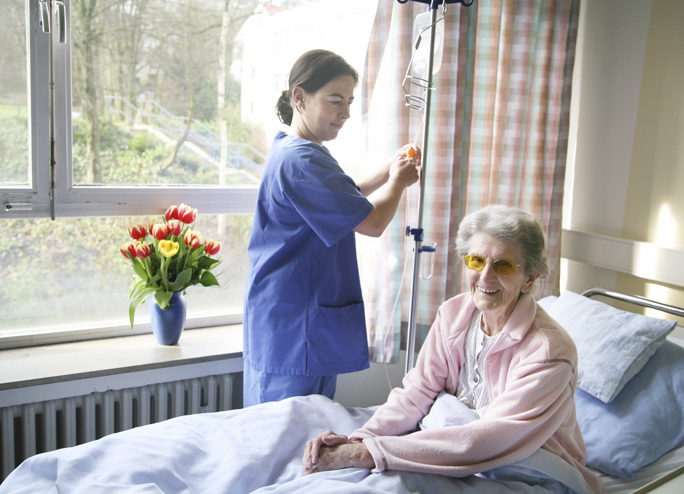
point(304, 311)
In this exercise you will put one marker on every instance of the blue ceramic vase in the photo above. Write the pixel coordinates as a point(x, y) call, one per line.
point(167, 325)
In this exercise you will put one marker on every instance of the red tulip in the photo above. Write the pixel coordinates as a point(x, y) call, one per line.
point(130, 248)
point(212, 247)
point(159, 231)
point(137, 232)
point(186, 214)
point(171, 213)
point(193, 239)
point(175, 227)
point(142, 250)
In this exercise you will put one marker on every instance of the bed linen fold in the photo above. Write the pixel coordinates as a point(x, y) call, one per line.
point(258, 449)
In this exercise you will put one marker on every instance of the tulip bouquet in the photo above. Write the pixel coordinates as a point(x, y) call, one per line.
point(172, 259)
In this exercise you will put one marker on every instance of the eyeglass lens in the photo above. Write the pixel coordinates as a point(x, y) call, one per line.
point(501, 266)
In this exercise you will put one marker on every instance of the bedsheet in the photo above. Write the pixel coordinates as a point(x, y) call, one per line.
point(258, 449)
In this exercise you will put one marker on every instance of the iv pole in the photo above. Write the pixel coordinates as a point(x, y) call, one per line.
point(418, 232)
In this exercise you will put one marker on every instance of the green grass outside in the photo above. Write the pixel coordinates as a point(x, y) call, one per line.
point(13, 111)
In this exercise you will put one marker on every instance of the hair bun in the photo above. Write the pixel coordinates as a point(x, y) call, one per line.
point(284, 108)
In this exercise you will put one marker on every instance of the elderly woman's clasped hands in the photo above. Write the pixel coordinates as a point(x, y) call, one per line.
point(330, 451)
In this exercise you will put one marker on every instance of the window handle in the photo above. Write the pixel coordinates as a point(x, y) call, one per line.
point(61, 21)
point(45, 15)
point(18, 204)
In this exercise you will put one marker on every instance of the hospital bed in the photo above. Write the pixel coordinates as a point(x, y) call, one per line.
point(635, 441)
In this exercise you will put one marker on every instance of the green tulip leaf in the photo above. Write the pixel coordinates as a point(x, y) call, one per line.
point(163, 297)
point(138, 299)
point(208, 279)
point(195, 253)
point(139, 269)
point(164, 270)
point(207, 262)
point(181, 280)
point(137, 283)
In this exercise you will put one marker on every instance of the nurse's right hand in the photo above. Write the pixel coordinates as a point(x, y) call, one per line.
point(404, 170)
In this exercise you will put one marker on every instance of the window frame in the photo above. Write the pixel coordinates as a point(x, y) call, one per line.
point(86, 200)
point(24, 199)
point(32, 201)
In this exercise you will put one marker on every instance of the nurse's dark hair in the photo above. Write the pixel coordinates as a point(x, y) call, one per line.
point(512, 225)
point(313, 70)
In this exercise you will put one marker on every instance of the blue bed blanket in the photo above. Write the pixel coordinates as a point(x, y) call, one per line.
point(258, 449)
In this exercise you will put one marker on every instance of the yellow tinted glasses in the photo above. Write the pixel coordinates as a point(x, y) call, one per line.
point(501, 266)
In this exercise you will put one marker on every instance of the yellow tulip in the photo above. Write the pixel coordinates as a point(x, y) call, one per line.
point(168, 248)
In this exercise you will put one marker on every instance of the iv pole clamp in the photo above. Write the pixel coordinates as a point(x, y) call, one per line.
point(418, 232)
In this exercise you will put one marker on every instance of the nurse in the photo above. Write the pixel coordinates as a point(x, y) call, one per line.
point(304, 317)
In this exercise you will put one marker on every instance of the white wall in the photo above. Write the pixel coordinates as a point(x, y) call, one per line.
point(609, 63)
point(624, 170)
point(370, 387)
point(611, 48)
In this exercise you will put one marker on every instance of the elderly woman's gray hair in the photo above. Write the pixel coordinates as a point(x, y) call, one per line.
point(512, 225)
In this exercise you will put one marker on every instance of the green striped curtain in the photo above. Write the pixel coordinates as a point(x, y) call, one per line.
point(498, 134)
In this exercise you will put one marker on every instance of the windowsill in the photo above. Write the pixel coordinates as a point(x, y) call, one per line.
point(33, 366)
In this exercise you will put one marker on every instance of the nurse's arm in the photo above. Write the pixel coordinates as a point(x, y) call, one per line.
point(386, 199)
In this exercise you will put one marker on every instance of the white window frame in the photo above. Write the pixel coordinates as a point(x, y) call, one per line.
point(33, 201)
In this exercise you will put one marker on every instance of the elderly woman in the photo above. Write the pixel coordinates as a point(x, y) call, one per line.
point(498, 352)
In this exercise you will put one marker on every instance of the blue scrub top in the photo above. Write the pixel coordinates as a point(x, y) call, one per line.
point(304, 311)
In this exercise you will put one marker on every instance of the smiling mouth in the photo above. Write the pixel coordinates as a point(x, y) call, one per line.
point(489, 292)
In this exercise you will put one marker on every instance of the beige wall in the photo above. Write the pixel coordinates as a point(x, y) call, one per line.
point(626, 166)
point(655, 208)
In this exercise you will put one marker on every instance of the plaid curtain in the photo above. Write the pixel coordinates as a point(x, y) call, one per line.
point(498, 134)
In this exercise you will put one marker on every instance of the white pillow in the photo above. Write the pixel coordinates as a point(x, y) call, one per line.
point(612, 344)
point(547, 302)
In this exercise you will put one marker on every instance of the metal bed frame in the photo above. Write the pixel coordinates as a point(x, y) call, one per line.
point(634, 299)
point(651, 304)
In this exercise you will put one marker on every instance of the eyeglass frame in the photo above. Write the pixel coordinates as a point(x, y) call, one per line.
point(493, 263)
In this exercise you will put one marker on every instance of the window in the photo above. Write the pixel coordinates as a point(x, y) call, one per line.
point(149, 103)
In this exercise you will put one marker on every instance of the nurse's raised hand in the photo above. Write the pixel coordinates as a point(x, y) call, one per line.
point(405, 170)
point(401, 173)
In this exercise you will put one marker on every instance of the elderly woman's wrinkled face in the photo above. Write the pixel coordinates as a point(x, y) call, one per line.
point(496, 294)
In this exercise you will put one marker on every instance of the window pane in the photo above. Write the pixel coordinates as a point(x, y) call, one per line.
point(14, 160)
point(271, 42)
point(184, 92)
point(69, 274)
point(147, 104)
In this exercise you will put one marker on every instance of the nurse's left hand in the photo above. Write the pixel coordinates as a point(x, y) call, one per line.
point(330, 451)
point(403, 153)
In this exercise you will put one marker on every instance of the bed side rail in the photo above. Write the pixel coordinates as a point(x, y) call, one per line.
point(635, 299)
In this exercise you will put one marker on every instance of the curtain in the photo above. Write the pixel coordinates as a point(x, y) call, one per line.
point(498, 134)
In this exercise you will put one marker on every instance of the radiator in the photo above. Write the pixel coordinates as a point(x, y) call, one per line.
point(28, 429)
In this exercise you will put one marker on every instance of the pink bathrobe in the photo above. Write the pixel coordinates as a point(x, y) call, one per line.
point(531, 374)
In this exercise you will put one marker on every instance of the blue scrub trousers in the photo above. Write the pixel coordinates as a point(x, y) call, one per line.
point(261, 387)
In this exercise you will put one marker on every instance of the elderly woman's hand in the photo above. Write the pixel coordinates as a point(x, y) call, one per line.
point(330, 451)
